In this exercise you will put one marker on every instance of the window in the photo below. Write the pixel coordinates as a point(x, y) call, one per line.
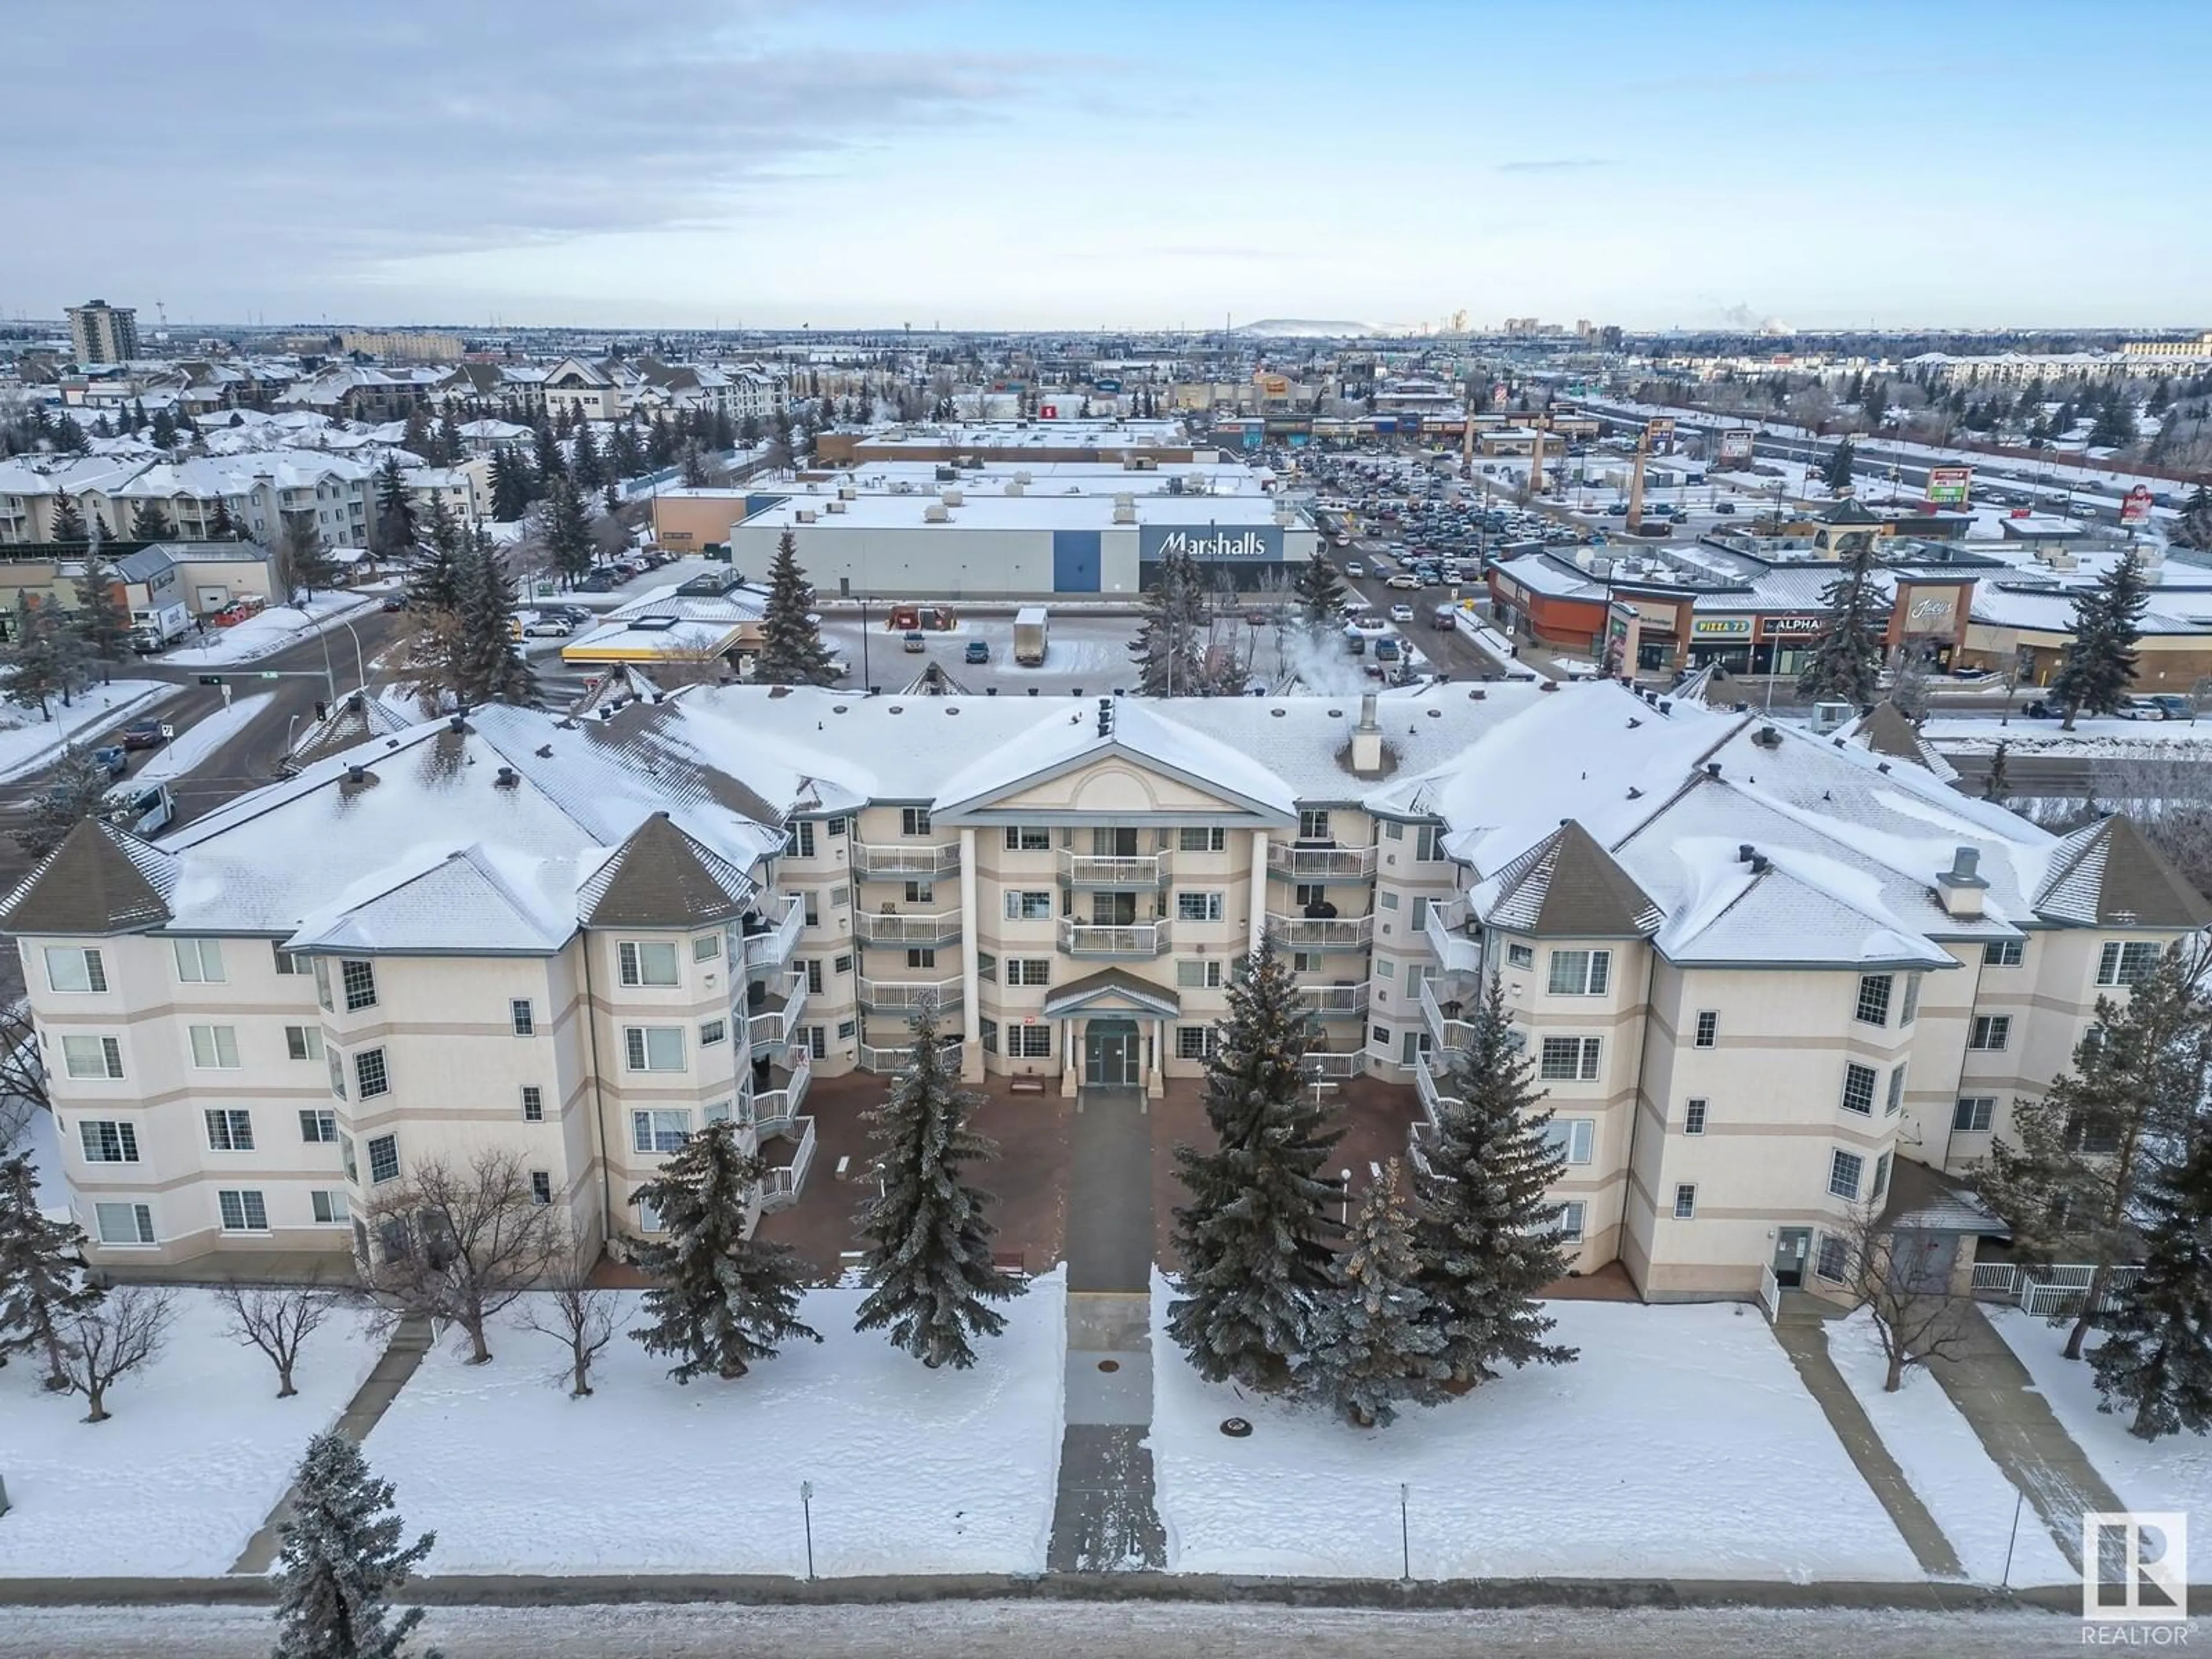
point(242, 1212)
point(303, 1042)
point(75, 967)
point(2093, 1133)
point(1193, 1043)
point(323, 985)
point(124, 1224)
point(798, 839)
point(847, 1030)
point(1911, 1008)
point(541, 1187)
point(842, 965)
point(719, 1111)
point(712, 1032)
point(1307, 894)
point(358, 979)
point(1193, 838)
point(987, 1032)
point(1873, 1007)
point(922, 956)
point(1693, 1118)
point(1833, 1259)
point(1029, 907)
point(1028, 838)
point(1389, 900)
point(384, 1159)
point(1574, 1059)
point(2126, 964)
point(1569, 1226)
point(1685, 1201)
point(287, 963)
point(1895, 1101)
point(1028, 1042)
point(1306, 961)
point(1379, 1036)
point(1844, 1170)
point(199, 961)
point(987, 967)
point(913, 821)
point(647, 962)
point(1571, 1138)
point(1420, 912)
point(921, 892)
point(2004, 953)
point(1520, 955)
point(318, 1126)
point(229, 1129)
point(1198, 973)
point(1028, 971)
point(654, 1047)
point(1411, 1045)
point(1990, 1032)
point(1858, 1089)
point(1974, 1114)
point(522, 1016)
point(1312, 825)
point(1709, 1030)
point(1880, 1177)
point(1393, 831)
point(816, 1038)
point(1198, 907)
point(371, 1077)
point(92, 1056)
point(708, 947)
point(328, 1205)
point(812, 967)
point(108, 1141)
point(836, 828)
point(338, 1072)
point(811, 908)
point(533, 1103)
point(214, 1048)
point(648, 1213)
point(1580, 973)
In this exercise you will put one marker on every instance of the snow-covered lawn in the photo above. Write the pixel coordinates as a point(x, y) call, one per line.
point(1946, 1464)
point(2096, 737)
point(28, 743)
point(2173, 1474)
point(914, 1470)
point(270, 631)
point(1681, 1443)
point(196, 1453)
point(197, 742)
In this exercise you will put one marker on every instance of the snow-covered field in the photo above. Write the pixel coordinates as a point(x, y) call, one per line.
point(1947, 1466)
point(28, 743)
point(196, 1453)
point(271, 631)
point(2173, 1474)
point(2093, 736)
point(912, 1470)
point(196, 742)
point(1681, 1443)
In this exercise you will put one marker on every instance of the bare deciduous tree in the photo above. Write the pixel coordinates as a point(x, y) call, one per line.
point(462, 1243)
point(574, 1312)
point(1918, 1315)
point(2170, 797)
point(22, 1075)
point(121, 1333)
point(278, 1319)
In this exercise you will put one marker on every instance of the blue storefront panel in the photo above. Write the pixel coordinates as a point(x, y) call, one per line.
point(1075, 562)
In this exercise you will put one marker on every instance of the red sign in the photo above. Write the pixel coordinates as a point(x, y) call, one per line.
point(2137, 508)
point(1048, 412)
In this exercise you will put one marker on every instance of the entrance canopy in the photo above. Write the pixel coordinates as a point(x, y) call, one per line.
point(1111, 991)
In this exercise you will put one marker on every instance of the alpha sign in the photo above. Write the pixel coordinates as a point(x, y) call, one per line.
point(1258, 545)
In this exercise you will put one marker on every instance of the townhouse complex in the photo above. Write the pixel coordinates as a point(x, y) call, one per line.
point(1765, 977)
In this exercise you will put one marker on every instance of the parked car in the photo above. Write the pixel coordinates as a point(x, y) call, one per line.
point(2139, 708)
point(1724, 506)
point(395, 601)
point(1401, 613)
point(2176, 707)
point(549, 628)
point(1404, 581)
point(599, 581)
point(144, 734)
point(1354, 568)
point(2041, 710)
point(977, 651)
point(112, 759)
point(915, 640)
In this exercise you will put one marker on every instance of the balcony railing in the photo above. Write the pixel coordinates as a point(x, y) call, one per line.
point(1321, 863)
point(888, 1058)
point(1419, 1137)
point(1090, 939)
point(1334, 1067)
point(1319, 934)
point(897, 928)
point(906, 996)
point(771, 948)
point(1326, 999)
point(1428, 1080)
point(1453, 937)
point(1113, 870)
point(787, 1083)
point(770, 1022)
point(920, 858)
point(1447, 1032)
point(781, 1187)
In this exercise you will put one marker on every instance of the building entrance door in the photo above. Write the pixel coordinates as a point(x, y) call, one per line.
point(1113, 1053)
point(1791, 1246)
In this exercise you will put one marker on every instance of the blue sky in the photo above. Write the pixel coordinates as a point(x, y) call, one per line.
point(981, 163)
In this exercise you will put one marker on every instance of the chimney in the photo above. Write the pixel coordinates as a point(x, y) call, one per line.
point(1367, 740)
point(505, 779)
point(1959, 889)
point(1744, 849)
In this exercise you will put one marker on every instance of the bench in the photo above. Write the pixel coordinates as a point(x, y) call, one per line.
point(845, 1168)
point(1027, 1083)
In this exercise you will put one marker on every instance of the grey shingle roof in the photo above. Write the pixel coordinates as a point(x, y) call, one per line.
point(2107, 874)
point(662, 877)
point(1567, 886)
point(100, 880)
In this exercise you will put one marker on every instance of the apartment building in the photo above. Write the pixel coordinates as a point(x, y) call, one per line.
point(1765, 977)
point(102, 333)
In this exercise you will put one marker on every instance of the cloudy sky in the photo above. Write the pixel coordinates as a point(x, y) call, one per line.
point(1041, 163)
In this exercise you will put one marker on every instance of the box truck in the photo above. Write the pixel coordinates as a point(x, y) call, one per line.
point(1030, 623)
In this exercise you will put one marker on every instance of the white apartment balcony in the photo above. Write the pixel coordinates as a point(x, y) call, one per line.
point(1328, 1001)
point(788, 1082)
point(915, 857)
point(1447, 1032)
point(907, 996)
point(1322, 933)
point(1113, 870)
point(889, 1059)
point(781, 1185)
point(1455, 938)
point(1419, 1139)
point(1430, 1080)
point(770, 1021)
point(769, 948)
point(1095, 938)
point(1308, 863)
point(1329, 1067)
point(898, 927)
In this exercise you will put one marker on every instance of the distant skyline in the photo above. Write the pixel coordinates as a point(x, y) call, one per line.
point(983, 163)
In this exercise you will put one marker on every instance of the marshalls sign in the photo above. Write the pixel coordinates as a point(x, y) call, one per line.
point(1254, 545)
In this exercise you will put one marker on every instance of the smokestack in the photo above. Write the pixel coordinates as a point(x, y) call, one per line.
point(1959, 889)
point(1367, 739)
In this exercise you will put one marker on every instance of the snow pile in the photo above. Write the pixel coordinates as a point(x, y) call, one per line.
point(270, 631)
point(196, 742)
point(2173, 1474)
point(1680, 1443)
point(912, 1470)
point(196, 1453)
point(28, 743)
point(1944, 1463)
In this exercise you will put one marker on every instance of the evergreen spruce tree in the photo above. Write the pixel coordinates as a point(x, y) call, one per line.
point(549, 461)
point(1320, 593)
point(695, 467)
point(2156, 1358)
point(585, 470)
point(1171, 644)
point(567, 530)
point(222, 527)
point(513, 489)
point(1379, 1344)
point(625, 456)
point(450, 447)
point(68, 436)
point(29, 653)
point(1846, 663)
point(149, 523)
point(2194, 529)
point(395, 512)
point(721, 433)
point(661, 442)
point(489, 665)
point(1998, 785)
point(928, 1265)
point(42, 1280)
point(414, 436)
point(341, 1559)
point(307, 563)
point(1256, 1239)
point(73, 792)
point(103, 618)
point(1486, 1235)
point(1836, 474)
point(720, 1300)
point(792, 652)
point(66, 523)
point(2100, 663)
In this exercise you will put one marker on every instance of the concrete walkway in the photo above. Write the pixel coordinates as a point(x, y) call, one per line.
point(1104, 1517)
point(1801, 1330)
point(1995, 1394)
point(410, 1342)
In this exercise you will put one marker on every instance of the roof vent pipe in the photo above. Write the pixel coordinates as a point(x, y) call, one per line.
point(1713, 770)
point(1744, 850)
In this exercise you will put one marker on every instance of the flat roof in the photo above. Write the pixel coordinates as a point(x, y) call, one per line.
point(1025, 512)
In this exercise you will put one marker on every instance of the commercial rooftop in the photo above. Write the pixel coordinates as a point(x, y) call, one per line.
point(1027, 511)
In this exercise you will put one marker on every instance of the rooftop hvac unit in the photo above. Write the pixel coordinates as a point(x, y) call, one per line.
point(839, 505)
point(846, 492)
point(1125, 511)
point(949, 497)
point(805, 515)
point(1024, 479)
point(1014, 488)
point(935, 513)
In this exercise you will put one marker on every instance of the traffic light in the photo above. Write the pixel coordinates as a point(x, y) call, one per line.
point(210, 679)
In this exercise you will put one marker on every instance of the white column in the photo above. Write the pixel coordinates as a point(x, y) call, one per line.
point(1068, 1075)
point(1259, 886)
point(971, 1051)
point(1155, 1077)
